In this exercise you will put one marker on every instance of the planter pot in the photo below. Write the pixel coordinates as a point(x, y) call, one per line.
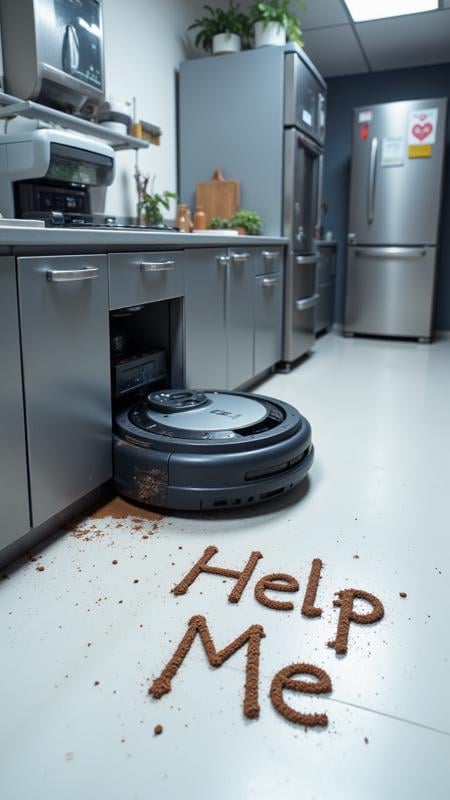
point(273, 33)
point(226, 43)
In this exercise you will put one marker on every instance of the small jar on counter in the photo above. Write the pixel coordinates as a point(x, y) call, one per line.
point(199, 219)
point(184, 220)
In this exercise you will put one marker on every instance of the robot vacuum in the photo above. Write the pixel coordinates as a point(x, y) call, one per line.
point(209, 450)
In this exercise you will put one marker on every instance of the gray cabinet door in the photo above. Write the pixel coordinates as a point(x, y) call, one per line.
point(268, 321)
point(240, 315)
point(14, 504)
point(65, 341)
point(206, 342)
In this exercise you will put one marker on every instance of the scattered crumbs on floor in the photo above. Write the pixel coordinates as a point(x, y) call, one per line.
point(403, 594)
point(158, 729)
point(40, 568)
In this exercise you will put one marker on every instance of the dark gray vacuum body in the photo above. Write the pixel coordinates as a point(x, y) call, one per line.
point(209, 450)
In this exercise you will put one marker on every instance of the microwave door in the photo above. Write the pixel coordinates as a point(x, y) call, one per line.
point(302, 170)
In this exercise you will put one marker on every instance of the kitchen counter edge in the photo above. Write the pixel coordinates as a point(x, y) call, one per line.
point(111, 239)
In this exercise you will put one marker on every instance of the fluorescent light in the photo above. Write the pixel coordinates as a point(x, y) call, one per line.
point(363, 10)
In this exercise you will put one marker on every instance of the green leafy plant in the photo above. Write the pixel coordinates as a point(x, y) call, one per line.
point(279, 11)
point(249, 220)
point(218, 20)
point(151, 206)
point(217, 223)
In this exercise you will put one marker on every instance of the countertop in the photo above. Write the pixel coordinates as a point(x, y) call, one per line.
point(111, 240)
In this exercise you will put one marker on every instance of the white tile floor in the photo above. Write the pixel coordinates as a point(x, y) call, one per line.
point(379, 489)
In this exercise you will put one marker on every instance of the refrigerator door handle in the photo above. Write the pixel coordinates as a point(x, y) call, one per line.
point(391, 252)
point(372, 174)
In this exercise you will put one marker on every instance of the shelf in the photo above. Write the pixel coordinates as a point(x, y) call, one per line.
point(13, 107)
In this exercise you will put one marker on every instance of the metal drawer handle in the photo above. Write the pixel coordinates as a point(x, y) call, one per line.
point(270, 255)
point(308, 302)
point(269, 281)
point(223, 260)
point(84, 274)
point(157, 266)
point(391, 252)
point(239, 257)
point(307, 259)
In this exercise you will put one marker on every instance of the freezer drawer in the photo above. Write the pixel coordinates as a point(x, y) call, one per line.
point(300, 300)
point(390, 291)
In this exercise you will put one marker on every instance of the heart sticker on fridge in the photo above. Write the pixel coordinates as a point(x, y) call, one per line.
point(422, 131)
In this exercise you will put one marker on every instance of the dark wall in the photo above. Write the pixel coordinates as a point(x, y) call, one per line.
point(379, 87)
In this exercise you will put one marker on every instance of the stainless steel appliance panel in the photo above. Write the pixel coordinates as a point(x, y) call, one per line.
point(390, 291)
point(302, 169)
point(14, 500)
point(305, 97)
point(395, 205)
point(67, 382)
point(301, 298)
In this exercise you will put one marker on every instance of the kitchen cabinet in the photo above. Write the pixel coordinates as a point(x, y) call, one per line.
point(239, 315)
point(66, 370)
point(268, 321)
point(326, 279)
point(206, 339)
point(233, 315)
point(14, 506)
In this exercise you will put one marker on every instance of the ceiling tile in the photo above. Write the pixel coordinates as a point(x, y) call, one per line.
point(410, 41)
point(334, 51)
point(322, 14)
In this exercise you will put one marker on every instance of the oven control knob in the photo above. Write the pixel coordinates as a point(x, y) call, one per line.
point(71, 50)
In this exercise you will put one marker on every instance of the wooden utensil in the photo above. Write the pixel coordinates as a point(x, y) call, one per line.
point(218, 197)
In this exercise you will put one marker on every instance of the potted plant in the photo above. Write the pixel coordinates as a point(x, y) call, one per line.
point(274, 22)
point(243, 221)
point(150, 207)
point(223, 31)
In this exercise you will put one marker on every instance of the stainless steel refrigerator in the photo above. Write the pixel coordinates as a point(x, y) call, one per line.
point(396, 187)
point(260, 116)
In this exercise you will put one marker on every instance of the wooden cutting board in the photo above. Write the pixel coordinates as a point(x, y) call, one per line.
point(218, 197)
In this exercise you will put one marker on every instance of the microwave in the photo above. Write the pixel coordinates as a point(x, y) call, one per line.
point(53, 51)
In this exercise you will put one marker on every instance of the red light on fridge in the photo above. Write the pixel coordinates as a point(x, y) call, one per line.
point(364, 131)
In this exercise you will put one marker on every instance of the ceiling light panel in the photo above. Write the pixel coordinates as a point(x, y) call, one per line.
point(364, 10)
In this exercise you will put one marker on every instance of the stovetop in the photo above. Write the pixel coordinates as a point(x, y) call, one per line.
point(57, 219)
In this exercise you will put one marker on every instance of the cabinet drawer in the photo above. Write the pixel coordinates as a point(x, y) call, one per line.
point(270, 260)
point(136, 278)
